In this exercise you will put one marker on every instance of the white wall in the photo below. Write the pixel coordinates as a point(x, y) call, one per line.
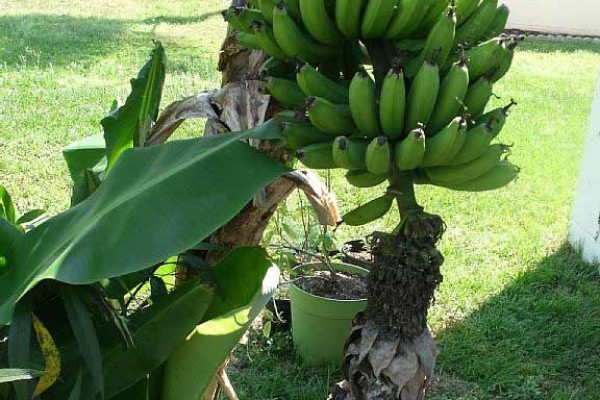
point(584, 232)
point(575, 17)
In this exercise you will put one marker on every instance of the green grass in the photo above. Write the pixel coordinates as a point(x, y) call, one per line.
point(62, 63)
point(518, 313)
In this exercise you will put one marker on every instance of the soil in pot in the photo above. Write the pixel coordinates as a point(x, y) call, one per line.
point(345, 286)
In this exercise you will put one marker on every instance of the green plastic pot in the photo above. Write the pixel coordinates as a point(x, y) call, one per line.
point(320, 326)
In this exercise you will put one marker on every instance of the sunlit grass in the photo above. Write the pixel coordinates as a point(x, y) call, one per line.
point(517, 316)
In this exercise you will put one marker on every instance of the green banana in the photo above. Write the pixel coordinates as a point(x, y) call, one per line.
point(478, 96)
point(318, 23)
point(313, 83)
point(253, 3)
point(291, 116)
point(498, 24)
point(392, 102)
point(348, 15)
point(295, 42)
point(363, 105)
point(439, 147)
point(422, 96)
point(349, 153)
point(263, 32)
point(329, 117)
point(301, 134)
point(505, 59)
point(247, 40)
point(364, 179)
point(453, 90)
point(433, 14)
point(459, 141)
point(496, 118)
point(293, 7)
point(378, 156)
point(464, 9)
point(286, 92)
point(485, 58)
point(266, 7)
point(232, 19)
point(503, 173)
point(410, 151)
point(409, 15)
point(242, 18)
point(477, 24)
point(376, 17)
point(454, 175)
point(369, 212)
point(317, 156)
point(438, 45)
point(476, 143)
point(277, 68)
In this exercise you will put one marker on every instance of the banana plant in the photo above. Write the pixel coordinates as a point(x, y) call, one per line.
point(61, 333)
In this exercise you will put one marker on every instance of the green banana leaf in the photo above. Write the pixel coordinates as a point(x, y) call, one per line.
point(76, 391)
point(128, 126)
point(155, 331)
point(245, 282)
point(158, 201)
point(9, 237)
point(17, 374)
point(7, 208)
point(84, 154)
point(19, 346)
point(86, 183)
point(85, 334)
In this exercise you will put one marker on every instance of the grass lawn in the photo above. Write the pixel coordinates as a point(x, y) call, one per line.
point(518, 313)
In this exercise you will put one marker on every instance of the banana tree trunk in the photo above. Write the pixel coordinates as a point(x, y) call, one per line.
point(240, 105)
point(390, 354)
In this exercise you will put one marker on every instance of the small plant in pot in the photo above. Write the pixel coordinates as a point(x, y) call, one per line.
point(326, 288)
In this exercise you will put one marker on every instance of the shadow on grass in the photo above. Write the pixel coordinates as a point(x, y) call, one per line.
point(192, 19)
point(537, 339)
point(40, 40)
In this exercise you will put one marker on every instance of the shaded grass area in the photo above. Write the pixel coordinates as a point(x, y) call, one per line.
point(517, 314)
point(536, 339)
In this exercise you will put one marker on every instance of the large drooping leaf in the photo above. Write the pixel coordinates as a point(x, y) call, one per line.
point(158, 201)
point(245, 280)
point(128, 125)
point(155, 331)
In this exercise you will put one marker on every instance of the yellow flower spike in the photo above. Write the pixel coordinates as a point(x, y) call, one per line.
point(51, 356)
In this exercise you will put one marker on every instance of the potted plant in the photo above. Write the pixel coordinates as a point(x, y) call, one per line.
point(324, 303)
point(327, 286)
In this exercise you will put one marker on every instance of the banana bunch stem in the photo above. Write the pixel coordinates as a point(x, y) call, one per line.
point(382, 54)
point(416, 225)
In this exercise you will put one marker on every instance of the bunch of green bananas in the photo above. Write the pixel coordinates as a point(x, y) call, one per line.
point(380, 87)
